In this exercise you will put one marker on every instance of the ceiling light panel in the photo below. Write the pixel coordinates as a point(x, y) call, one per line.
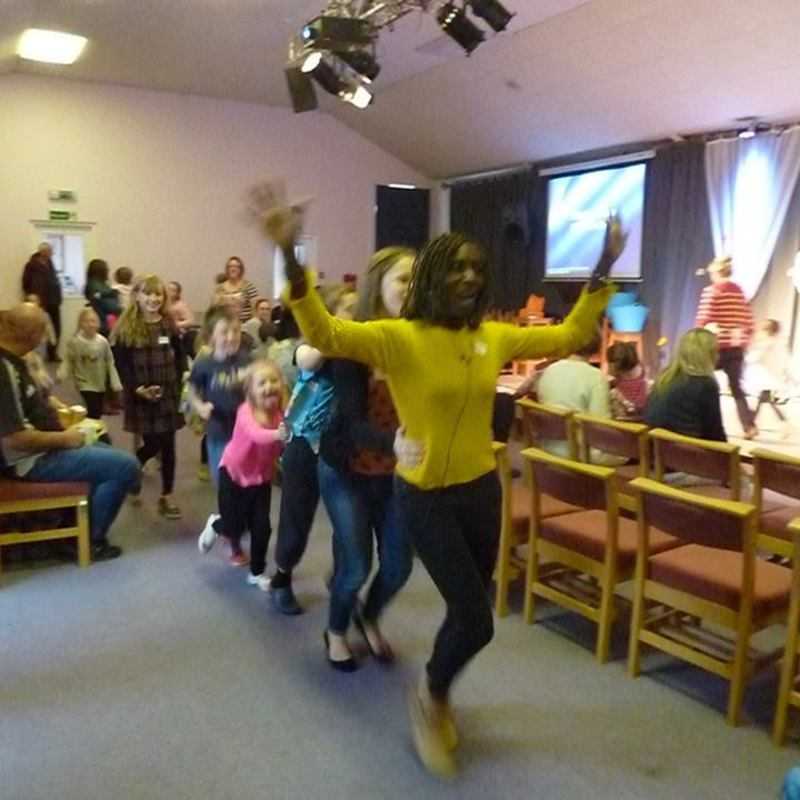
point(50, 47)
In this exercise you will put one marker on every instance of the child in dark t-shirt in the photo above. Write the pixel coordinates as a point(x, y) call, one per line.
point(216, 380)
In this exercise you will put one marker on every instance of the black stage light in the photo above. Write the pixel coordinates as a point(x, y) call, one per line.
point(492, 13)
point(301, 90)
point(323, 73)
point(362, 62)
point(454, 22)
point(336, 33)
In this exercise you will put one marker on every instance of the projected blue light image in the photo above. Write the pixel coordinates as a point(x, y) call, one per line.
point(578, 206)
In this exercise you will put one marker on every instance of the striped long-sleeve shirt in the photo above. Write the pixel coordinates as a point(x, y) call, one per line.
point(725, 305)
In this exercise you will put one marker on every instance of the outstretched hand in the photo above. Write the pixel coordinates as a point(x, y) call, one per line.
point(282, 220)
point(613, 245)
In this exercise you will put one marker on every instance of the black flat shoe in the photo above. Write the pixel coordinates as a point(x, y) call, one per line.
point(348, 665)
point(383, 656)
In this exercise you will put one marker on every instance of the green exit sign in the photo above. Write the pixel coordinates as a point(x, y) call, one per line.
point(59, 216)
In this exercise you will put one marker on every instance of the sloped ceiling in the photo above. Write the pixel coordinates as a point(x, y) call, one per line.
point(568, 75)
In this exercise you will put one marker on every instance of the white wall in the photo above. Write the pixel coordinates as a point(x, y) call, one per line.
point(165, 177)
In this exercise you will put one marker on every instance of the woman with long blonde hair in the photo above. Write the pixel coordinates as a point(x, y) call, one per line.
point(150, 361)
point(685, 398)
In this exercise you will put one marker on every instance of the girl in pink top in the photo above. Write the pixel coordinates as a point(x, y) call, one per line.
point(247, 466)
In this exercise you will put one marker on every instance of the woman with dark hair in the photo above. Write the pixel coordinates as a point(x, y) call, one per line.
point(100, 296)
point(441, 362)
point(356, 470)
point(235, 290)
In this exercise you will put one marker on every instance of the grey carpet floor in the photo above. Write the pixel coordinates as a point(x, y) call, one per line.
point(163, 675)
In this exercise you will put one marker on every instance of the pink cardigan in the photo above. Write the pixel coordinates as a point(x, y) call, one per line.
point(250, 455)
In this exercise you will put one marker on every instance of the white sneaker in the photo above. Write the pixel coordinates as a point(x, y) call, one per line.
point(208, 536)
point(262, 581)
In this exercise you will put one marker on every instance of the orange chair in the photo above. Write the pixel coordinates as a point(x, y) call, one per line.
point(588, 552)
point(788, 694)
point(714, 578)
point(20, 497)
point(776, 496)
point(625, 439)
point(716, 462)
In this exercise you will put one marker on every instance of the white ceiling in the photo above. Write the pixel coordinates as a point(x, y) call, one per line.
point(568, 75)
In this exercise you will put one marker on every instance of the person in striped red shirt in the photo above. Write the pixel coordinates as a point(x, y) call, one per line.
point(724, 310)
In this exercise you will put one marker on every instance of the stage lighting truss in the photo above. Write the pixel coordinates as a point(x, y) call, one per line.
point(337, 48)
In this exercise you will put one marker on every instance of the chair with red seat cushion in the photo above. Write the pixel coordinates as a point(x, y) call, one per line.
point(19, 498)
point(715, 464)
point(776, 495)
point(624, 439)
point(538, 421)
point(587, 552)
point(515, 527)
point(788, 693)
point(684, 597)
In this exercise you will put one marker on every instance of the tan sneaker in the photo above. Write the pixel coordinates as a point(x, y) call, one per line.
point(449, 730)
point(428, 733)
point(168, 509)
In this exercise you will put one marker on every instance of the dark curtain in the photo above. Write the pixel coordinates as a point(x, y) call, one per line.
point(676, 243)
point(496, 211)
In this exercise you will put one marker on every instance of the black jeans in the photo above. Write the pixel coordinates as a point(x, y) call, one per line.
point(245, 508)
point(164, 443)
point(94, 404)
point(455, 532)
point(299, 500)
point(730, 361)
point(94, 410)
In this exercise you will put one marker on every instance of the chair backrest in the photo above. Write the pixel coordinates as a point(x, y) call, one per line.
point(700, 457)
point(627, 439)
point(777, 472)
point(533, 306)
point(695, 519)
point(549, 423)
point(583, 485)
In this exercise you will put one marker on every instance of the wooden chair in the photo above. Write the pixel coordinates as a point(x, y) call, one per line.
point(779, 476)
point(625, 439)
point(20, 497)
point(537, 419)
point(714, 578)
point(514, 528)
point(588, 551)
point(788, 694)
point(553, 423)
point(717, 462)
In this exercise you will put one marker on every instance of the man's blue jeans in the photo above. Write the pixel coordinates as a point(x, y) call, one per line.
point(359, 505)
point(111, 474)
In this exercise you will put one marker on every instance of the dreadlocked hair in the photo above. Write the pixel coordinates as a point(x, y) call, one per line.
point(131, 330)
point(427, 289)
point(370, 303)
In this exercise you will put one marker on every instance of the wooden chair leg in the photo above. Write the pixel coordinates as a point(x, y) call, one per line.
point(637, 618)
point(502, 574)
point(788, 668)
point(531, 577)
point(83, 534)
point(739, 676)
point(606, 618)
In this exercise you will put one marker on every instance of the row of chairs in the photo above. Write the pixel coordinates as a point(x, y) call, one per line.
point(692, 554)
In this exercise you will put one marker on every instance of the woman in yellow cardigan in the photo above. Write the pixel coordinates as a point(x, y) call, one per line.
point(441, 362)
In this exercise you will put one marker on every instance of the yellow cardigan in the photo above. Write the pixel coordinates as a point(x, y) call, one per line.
point(442, 380)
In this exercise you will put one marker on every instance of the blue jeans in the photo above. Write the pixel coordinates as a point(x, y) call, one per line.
point(214, 447)
point(110, 473)
point(358, 505)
